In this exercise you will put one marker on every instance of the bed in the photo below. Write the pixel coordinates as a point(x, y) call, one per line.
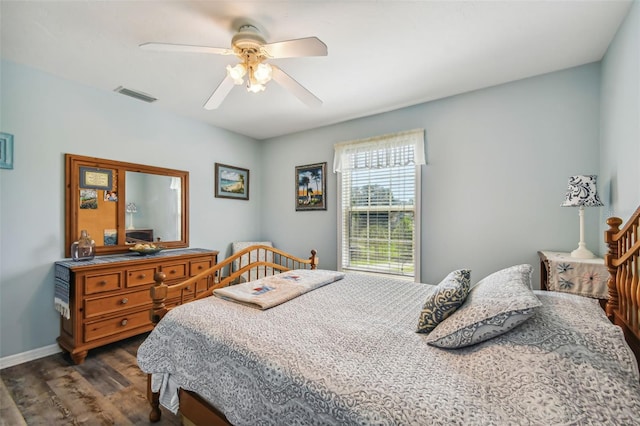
point(348, 351)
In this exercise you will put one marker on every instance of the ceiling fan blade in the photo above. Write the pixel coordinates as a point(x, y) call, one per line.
point(185, 48)
point(220, 93)
point(310, 46)
point(286, 81)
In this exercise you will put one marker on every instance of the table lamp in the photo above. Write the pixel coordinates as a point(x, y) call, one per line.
point(582, 192)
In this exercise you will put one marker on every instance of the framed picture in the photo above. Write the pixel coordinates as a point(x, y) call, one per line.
point(311, 183)
point(110, 237)
point(88, 199)
point(110, 196)
point(6, 151)
point(92, 178)
point(231, 182)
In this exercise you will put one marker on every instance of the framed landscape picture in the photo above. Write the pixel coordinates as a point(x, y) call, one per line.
point(6, 151)
point(311, 183)
point(231, 182)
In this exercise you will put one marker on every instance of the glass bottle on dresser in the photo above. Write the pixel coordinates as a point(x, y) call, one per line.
point(84, 248)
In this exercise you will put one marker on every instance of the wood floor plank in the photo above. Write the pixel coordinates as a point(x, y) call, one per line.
point(108, 389)
point(31, 394)
point(126, 364)
point(130, 400)
point(9, 412)
point(102, 376)
point(86, 404)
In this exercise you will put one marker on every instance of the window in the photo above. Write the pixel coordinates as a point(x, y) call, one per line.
point(378, 204)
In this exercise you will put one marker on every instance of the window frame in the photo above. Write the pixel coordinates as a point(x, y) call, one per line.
point(416, 233)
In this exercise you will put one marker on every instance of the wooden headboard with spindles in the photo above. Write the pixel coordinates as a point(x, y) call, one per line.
point(623, 263)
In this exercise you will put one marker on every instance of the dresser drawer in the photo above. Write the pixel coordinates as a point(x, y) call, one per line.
point(117, 325)
point(175, 271)
point(99, 283)
point(187, 293)
point(104, 305)
point(202, 286)
point(143, 276)
point(197, 266)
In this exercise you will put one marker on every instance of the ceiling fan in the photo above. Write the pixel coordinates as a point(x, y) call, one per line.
point(253, 51)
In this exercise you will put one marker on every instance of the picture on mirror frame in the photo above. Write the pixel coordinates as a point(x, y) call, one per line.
point(88, 199)
point(92, 178)
point(231, 182)
point(311, 183)
point(110, 237)
point(110, 196)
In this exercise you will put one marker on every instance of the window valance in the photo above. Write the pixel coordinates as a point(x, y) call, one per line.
point(391, 150)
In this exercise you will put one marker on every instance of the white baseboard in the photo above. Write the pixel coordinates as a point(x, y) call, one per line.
point(11, 360)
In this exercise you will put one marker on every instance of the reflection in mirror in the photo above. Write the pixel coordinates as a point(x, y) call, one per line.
point(153, 206)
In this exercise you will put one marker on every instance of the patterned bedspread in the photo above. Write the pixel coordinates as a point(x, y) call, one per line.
point(347, 353)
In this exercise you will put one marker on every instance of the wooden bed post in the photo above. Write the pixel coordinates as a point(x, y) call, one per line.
point(158, 309)
point(158, 295)
point(609, 238)
point(313, 259)
point(154, 401)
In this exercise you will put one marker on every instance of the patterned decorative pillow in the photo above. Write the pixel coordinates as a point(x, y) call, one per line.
point(495, 305)
point(445, 299)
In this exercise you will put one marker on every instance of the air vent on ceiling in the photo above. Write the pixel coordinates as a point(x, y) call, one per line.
point(138, 95)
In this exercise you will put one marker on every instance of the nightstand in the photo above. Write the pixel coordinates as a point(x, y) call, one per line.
point(585, 277)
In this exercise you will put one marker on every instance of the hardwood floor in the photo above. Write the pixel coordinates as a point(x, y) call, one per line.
point(107, 389)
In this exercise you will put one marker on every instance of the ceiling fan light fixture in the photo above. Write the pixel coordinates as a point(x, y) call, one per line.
point(255, 87)
point(262, 73)
point(237, 73)
point(251, 48)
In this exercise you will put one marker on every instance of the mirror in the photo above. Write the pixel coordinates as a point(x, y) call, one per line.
point(121, 204)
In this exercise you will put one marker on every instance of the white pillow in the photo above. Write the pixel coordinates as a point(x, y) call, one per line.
point(498, 303)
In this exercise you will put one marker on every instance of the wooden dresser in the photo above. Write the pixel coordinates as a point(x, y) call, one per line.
point(107, 299)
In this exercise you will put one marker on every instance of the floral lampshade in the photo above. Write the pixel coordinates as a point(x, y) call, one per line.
point(582, 192)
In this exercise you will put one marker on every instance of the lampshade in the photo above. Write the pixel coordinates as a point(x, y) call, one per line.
point(255, 87)
point(237, 73)
point(262, 73)
point(582, 191)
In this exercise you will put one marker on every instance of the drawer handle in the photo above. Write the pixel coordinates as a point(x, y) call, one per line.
point(200, 267)
point(142, 276)
point(124, 301)
point(188, 288)
point(173, 271)
point(103, 282)
point(124, 322)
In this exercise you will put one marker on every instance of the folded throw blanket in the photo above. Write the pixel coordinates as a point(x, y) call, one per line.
point(270, 291)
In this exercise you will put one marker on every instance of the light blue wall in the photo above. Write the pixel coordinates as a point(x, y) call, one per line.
point(50, 117)
point(620, 121)
point(498, 162)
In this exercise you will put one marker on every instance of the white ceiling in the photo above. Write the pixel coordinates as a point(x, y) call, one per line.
point(383, 55)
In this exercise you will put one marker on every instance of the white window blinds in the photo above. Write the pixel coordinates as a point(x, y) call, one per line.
point(379, 198)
